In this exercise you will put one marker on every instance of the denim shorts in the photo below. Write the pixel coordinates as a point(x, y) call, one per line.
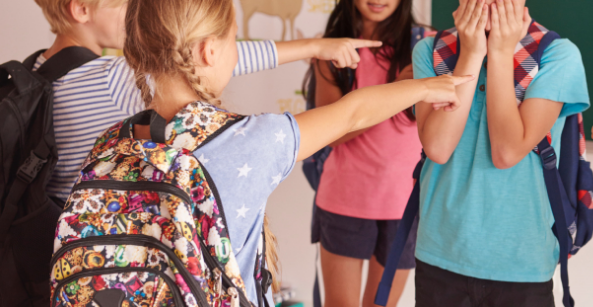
point(360, 238)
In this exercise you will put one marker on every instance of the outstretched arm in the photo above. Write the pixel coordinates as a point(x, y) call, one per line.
point(255, 56)
point(341, 51)
point(369, 106)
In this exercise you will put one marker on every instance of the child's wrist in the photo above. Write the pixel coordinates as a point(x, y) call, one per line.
point(313, 46)
point(501, 53)
point(471, 56)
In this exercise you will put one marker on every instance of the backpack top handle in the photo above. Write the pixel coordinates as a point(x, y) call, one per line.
point(148, 117)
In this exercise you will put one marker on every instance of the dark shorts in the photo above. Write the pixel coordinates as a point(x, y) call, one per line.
point(436, 287)
point(360, 238)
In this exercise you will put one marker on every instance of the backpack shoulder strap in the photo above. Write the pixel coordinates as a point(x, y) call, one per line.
point(205, 123)
point(64, 61)
point(544, 43)
point(445, 51)
point(30, 61)
point(418, 33)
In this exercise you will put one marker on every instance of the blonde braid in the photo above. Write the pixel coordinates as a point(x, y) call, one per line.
point(144, 87)
point(185, 65)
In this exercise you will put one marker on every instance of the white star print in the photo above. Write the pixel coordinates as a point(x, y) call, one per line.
point(203, 159)
point(240, 131)
point(280, 136)
point(244, 171)
point(241, 212)
point(276, 179)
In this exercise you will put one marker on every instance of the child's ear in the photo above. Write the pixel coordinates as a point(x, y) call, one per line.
point(206, 52)
point(80, 12)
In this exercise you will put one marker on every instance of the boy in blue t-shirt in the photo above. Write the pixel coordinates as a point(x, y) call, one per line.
point(485, 236)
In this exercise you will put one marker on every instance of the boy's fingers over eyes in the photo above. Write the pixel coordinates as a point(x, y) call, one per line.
point(502, 13)
point(458, 80)
point(484, 18)
point(365, 43)
point(477, 13)
point(469, 9)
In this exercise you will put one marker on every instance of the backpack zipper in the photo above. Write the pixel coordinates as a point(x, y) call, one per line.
point(216, 196)
point(244, 302)
point(177, 298)
point(135, 186)
point(135, 240)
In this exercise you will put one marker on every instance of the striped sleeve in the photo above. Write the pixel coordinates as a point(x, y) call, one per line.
point(256, 56)
point(122, 86)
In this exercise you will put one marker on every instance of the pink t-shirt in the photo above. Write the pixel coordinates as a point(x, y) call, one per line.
point(370, 176)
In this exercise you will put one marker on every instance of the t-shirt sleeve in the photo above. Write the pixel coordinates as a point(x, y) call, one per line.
point(561, 78)
point(273, 143)
point(255, 56)
point(422, 59)
point(122, 86)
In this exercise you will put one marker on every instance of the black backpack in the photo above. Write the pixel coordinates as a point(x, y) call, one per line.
point(28, 155)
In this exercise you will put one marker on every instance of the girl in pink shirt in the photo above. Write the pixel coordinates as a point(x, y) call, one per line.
point(367, 178)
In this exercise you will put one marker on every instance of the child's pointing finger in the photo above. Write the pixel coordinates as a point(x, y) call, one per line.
point(365, 43)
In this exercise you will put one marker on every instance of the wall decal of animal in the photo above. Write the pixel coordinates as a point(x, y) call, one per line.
point(287, 10)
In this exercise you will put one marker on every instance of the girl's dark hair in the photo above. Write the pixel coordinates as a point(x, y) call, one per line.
point(395, 32)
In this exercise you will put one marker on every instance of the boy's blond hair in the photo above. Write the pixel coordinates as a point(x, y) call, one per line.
point(56, 11)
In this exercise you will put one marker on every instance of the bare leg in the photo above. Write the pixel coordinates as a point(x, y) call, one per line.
point(375, 274)
point(341, 279)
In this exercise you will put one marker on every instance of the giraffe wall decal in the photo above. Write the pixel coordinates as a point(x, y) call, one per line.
point(287, 10)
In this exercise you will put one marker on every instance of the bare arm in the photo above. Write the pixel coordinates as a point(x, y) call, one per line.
point(441, 131)
point(369, 106)
point(514, 131)
point(342, 51)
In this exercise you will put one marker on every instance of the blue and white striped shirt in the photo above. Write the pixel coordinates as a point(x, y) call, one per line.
point(95, 96)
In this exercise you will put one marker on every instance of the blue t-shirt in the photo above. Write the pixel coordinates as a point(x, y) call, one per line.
point(247, 162)
point(480, 221)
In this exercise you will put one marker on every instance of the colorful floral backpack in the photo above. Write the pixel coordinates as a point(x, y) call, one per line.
point(569, 186)
point(144, 225)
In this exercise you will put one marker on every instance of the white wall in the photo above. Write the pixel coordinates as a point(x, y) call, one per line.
point(23, 29)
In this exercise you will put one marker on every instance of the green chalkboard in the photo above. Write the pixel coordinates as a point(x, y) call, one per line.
point(571, 19)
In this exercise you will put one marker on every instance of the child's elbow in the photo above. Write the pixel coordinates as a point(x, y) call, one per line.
point(504, 160)
point(436, 155)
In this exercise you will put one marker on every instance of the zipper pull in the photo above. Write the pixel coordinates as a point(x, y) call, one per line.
point(217, 281)
point(235, 302)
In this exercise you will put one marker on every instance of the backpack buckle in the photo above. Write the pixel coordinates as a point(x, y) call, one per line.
point(548, 156)
point(29, 170)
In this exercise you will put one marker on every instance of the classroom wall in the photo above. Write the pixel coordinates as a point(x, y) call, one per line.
point(23, 29)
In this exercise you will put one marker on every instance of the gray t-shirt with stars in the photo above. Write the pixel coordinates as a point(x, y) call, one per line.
point(247, 162)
